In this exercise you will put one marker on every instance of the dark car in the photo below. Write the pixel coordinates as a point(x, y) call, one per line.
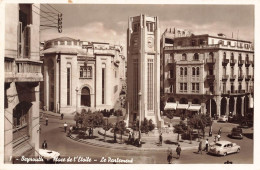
point(237, 133)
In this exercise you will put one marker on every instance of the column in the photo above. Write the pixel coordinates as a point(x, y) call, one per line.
point(242, 105)
point(235, 106)
point(227, 107)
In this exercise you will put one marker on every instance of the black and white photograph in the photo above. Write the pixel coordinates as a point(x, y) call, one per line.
point(128, 83)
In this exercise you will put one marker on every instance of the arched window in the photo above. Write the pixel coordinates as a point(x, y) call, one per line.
point(185, 71)
point(240, 57)
point(211, 55)
point(232, 56)
point(184, 56)
point(224, 55)
point(196, 56)
point(85, 97)
point(181, 71)
point(198, 71)
point(193, 71)
point(247, 58)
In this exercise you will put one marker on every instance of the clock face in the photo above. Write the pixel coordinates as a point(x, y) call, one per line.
point(150, 42)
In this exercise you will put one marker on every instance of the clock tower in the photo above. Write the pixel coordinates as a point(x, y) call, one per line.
point(143, 69)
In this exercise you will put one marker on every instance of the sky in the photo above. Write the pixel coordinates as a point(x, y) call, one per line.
point(109, 23)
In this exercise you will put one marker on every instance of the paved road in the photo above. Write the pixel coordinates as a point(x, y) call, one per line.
point(57, 140)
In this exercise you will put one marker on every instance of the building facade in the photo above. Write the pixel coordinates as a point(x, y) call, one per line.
point(80, 74)
point(22, 78)
point(207, 74)
point(143, 69)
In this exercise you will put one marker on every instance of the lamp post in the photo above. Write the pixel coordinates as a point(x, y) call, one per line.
point(76, 99)
point(140, 111)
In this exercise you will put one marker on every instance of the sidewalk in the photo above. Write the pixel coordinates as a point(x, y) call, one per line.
point(150, 143)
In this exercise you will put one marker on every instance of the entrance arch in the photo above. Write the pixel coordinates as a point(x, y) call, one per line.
point(211, 107)
point(223, 106)
point(85, 97)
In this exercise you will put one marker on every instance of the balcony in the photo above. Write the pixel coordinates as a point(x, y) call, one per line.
point(240, 77)
point(233, 62)
point(225, 77)
point(240, 62)
point(232, 77)
point(225, 62)
point(248, 77)
point(28, 70)
point(208, 92)
point(247, 63)
point(210, 60)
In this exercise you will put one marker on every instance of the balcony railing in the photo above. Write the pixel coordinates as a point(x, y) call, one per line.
point(240, 62)
point(225, 61)
point(210, 60)
point(248, 77)
point(240, 77)
point(225, 77)
point(232, 77)
point(233, 62)
point(247, 63)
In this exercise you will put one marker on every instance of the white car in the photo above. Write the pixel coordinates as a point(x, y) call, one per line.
point(49, 155)
point(223, 118)
point(224, 148)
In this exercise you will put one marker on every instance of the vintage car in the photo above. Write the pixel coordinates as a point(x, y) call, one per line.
point(223, 118)
point(224, 148)
point(48, 155)
point(236, 133)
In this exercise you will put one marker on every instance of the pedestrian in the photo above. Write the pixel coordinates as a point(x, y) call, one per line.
point(178, 151)
point(44, 145)
point(61, 116)
point(206, 145)
point(70, 130)
point(219, 131)
point(160, 139)
point(129, 137)
point(200, 147)
point(46, 121)
point(65, 127)
point(169, 156)
point(218, 137)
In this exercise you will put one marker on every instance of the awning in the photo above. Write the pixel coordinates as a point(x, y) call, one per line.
point(182, 106)
point(170, 106)
point(194, 108)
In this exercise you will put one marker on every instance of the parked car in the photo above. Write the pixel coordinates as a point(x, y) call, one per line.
point(49, 155)
point(224, 148)
point(223, 118)
point(236, 133)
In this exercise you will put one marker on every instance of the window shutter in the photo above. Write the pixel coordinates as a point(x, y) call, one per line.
point(27, 42)
point(19, 40)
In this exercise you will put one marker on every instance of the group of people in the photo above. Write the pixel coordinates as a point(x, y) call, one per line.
point(131, 140)
point(170, 154)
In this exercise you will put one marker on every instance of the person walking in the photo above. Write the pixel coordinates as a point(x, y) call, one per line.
point(65, 127)
point(218, 137)
point(219, 131)
point(206, 145)
point(61, 116)
point(200, 147)
point(169, 156)
point(44, 145)
point(160, 139)
point(46, 121)
point(178, 151)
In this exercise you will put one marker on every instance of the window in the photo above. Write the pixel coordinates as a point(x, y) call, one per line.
point(183, 87)
point(198, 71)
point(171, 88)
point(184, 57)
point(247, 86)
point(229, 43)
point(171, 59)
point(240, 72)
point(239, 86)
point(232, 56)
point(247, 71)
point(240, 57)
point(193, 42)
point(185, 71)
point(195, 87)
point(196, 56)
point(224, 87)
point(224, 70)
point(103, 85)
point(150, 26)
point(171, 73)
point(193, 71)
point(232, 71)
point(136, 27)
point(232, 88)
point(181, 71)
point(85, 72)
point(150, 84)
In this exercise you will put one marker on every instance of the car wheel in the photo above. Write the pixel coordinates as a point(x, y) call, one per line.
point(225, 153)
point(238, 150)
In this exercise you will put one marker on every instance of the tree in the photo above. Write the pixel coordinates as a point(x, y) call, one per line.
point(93, 120)
point(118, 113)
point(179, 128)
point(170, 114)
point(198, 122)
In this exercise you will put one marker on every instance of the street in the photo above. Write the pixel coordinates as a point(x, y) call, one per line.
point(58, 141)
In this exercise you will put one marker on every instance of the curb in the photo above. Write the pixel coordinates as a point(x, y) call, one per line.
point(128, 148)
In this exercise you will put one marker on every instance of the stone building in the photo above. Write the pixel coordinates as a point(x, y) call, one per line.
point(22, 76)
point(207, 74)
point(143, 69)
point(80, 74)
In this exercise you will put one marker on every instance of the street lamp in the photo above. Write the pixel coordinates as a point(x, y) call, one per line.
point(76, 99)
